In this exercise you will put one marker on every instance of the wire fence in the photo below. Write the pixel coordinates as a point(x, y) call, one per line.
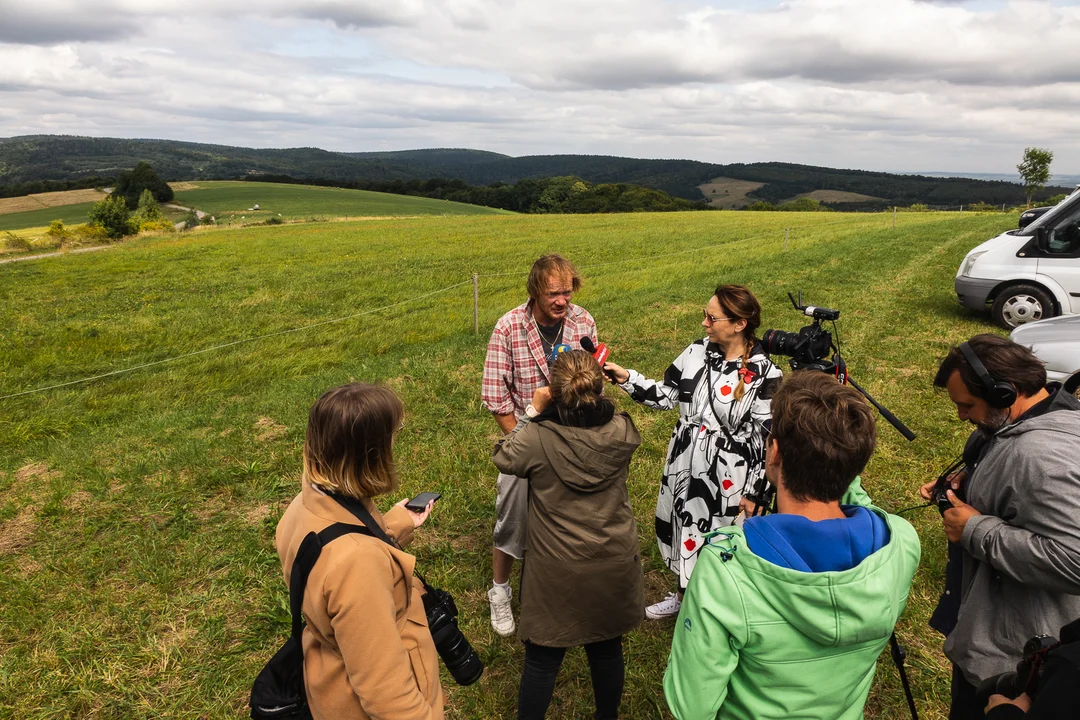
point(476, 277)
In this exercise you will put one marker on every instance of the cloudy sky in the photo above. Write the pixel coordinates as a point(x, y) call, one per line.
point(902, 85)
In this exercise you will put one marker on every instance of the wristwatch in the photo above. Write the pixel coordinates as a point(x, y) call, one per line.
point(530, 411)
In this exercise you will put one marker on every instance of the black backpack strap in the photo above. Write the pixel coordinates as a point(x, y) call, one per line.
point(357, 508)
point(305, 560)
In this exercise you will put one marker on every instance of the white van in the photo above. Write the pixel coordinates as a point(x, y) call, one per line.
point(1029, 274)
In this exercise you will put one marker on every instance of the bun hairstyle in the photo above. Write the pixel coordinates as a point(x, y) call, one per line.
point(577, 385)
point(740, 304)
point(349, 441)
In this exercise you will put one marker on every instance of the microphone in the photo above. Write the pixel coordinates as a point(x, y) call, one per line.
point(599, 352)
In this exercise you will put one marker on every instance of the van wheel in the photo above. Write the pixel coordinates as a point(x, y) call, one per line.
point(1021, 304)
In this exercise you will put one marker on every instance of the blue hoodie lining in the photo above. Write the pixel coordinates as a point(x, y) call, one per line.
point(798, 543)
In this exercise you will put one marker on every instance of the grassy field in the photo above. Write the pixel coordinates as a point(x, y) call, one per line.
point(137, 568)
point(26, 220)
point(229, 202)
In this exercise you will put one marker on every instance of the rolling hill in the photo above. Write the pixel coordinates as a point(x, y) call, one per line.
point(32, 158)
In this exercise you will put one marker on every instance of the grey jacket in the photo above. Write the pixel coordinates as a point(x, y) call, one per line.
point(1021, 570)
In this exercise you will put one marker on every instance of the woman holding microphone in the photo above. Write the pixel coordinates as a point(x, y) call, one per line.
point(582, 582)
point(723, 385)
point(368, 652)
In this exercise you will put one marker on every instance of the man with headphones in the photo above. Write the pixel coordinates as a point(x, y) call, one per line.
point(1019, 529)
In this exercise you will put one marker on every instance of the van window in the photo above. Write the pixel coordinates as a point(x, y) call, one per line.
point(1064, 237)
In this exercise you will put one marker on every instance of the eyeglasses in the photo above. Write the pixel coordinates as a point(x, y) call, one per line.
point(713, 320)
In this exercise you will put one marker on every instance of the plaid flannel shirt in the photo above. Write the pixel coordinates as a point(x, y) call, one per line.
point(516, 365)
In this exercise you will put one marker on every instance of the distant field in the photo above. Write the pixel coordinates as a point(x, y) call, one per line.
point(837, 196)
point(230, 202)
point(70, 214)
point(137, 513)
point(48, 200)
point(728, 193)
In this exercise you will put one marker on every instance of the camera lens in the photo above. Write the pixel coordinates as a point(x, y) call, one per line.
point(778, 342)
point(457, 654)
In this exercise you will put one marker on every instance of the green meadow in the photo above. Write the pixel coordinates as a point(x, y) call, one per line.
point(230, 202)
point(137, 511)
point(70, 214)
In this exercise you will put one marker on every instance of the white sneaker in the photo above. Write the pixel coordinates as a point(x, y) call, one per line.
point(665, 608)
point(502, 618)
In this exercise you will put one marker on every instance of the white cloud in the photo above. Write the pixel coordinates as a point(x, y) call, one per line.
point(903, 85)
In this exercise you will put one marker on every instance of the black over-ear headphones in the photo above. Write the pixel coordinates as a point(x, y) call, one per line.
point(999, 393)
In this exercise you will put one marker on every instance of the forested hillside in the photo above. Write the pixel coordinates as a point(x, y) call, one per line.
point(35, 158)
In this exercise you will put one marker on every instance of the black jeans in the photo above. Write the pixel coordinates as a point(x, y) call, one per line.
point(963, 705)
point(542, 667)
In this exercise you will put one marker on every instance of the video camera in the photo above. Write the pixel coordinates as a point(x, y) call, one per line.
point(809, 347)
point(1025, 679)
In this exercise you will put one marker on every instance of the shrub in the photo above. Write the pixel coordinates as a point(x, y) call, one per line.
point(58, 233)
point(982, 207)
point(760, 205)
point(149, 211)
point(16, 242)
point(274, 221)
point(1055, 199)
point(112, 214)
point(89, 234)
point(156, 225)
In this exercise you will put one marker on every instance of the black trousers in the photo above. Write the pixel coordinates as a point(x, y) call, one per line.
point(963, 705)
point(542, 667)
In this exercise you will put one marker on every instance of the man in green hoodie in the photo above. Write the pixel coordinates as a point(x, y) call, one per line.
point(786, 616)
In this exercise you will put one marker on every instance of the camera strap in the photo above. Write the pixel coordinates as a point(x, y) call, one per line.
point(363, 515)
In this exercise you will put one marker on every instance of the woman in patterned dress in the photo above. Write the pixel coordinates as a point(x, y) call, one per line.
point(723, 385)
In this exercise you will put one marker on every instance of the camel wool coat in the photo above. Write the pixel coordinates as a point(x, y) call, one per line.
point(368, 654)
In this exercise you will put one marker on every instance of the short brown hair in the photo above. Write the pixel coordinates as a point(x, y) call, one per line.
point(825, 433)
point(348, 446)
point(1005, 360)
point(577, 385)
point(546, 267)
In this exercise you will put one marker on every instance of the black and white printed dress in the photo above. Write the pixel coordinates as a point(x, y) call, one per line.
point(717, 450)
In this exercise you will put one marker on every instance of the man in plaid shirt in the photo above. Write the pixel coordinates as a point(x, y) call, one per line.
point(522, 345)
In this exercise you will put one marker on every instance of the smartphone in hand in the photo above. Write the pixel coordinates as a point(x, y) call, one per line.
point(419, 503)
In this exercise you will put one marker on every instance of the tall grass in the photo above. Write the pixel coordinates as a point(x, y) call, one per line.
point(137, 567)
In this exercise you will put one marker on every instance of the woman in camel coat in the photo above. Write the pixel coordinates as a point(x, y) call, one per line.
point(367, 649)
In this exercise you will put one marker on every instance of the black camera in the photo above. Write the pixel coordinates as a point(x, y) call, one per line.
point(943, 484)
point(809, 347)
point(457, 654)
point(1025, 679)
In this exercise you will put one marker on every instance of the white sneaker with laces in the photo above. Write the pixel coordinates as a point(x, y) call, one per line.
point(502, 617)
point(665, 608)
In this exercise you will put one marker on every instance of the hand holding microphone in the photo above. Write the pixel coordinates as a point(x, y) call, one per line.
point(602, 353)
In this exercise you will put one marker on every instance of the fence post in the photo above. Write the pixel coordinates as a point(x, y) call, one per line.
point(894, 217)
point(786, 231)
point(961, 209)
point(476, 302)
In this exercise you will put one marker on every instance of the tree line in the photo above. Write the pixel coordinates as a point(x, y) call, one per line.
point(564, 194)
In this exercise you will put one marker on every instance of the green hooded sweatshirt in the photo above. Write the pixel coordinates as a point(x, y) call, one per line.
point(756, 641)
